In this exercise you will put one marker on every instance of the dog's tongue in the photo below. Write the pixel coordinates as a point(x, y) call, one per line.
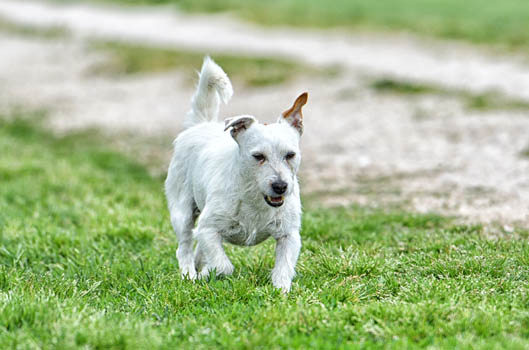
point(276, 199)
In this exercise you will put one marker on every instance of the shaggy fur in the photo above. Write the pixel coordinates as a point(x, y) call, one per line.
point(236, 181)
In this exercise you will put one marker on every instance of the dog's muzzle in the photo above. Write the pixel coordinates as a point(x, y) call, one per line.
point(274, 201)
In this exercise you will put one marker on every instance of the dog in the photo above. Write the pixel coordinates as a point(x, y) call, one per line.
point(235, 181)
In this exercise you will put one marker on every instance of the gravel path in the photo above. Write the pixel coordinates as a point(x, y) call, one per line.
point(428, 153)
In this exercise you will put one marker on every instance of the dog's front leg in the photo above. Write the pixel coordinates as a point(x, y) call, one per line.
point(212, 253)
point(287, 252)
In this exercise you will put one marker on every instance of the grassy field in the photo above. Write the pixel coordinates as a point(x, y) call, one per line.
point(125, 58)
point(487, 101)
point(23, 30)
point(499, 22)
point(87, 261)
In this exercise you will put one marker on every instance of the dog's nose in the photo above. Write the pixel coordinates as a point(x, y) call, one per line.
point(279, 187)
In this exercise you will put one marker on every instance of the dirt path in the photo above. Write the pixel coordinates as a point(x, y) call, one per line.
point(428, 153)
point(444, 64)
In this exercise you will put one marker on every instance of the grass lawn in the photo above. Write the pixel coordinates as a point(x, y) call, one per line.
point(503, 22)
point(125, 58)
point(87, 260)
point(486, 101)
point(25, 30)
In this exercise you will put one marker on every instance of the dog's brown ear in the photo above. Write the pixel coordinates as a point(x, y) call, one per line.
point(238, 124)
point(294, 115)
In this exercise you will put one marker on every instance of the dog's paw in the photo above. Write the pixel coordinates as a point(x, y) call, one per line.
point(189, 273)
point(284, 286)
point(224, 269)
point(281, 281)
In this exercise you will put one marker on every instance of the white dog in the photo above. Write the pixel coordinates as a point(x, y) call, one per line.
point(238, 186)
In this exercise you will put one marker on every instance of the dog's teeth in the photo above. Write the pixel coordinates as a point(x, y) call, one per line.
point(275, 199)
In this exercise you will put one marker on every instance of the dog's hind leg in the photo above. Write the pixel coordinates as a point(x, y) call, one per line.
point(183, 219)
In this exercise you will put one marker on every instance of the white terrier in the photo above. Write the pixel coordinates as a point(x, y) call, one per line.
point(241, 185)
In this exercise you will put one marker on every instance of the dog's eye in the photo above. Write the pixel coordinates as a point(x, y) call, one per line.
point(290, 155)
point(259, 157)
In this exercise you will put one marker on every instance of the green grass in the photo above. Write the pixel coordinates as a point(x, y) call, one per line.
point(525, 152)
point(87, 261)
point(52, 32)
point(125, 59)
point(476, 101)
point(402, 87)
point(503, 22)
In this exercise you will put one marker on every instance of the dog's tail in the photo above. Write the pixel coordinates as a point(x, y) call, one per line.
point(213, 86)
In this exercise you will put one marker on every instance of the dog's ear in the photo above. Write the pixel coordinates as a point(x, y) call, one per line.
point(294, 115)
point(238, 124)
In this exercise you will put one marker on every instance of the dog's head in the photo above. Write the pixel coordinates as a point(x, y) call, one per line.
point(270, 154)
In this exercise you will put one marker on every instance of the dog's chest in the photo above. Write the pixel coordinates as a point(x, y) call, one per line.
point(245, 231)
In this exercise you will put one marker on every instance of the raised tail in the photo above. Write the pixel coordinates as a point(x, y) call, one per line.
point(213, 86)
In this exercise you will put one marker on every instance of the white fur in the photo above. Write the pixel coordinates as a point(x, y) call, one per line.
point(213, 85)
point(215, 182)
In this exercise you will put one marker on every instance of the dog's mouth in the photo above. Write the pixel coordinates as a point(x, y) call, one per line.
point(274, 201)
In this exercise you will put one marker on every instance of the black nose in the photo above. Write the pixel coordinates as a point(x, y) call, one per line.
point(279, 187)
